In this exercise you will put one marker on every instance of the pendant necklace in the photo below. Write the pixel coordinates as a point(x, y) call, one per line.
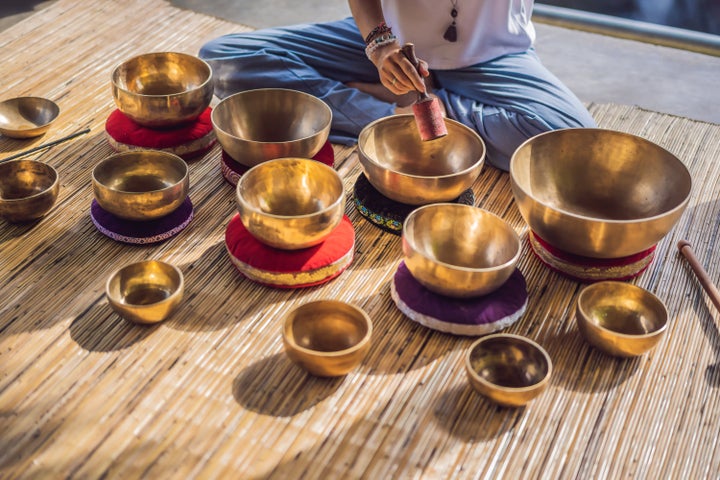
point(451, 32)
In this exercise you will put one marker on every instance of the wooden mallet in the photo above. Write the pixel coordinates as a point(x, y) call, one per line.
point(428, 114)
point(705, 280)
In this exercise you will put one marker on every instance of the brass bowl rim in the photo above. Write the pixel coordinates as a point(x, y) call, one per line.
point(421, 252)
point(44, 191)
point(588, 319)
point(680, 206)
point(480, 161)
point(136, 152)
point(175, 293)
point(544, 381)
point(321, 165)
point(202, 86)
point(54, 105)
point(335, 353)
point(324, 105)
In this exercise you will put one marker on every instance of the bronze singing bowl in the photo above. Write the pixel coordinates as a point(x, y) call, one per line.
point(458, 250)
point(145, 292)
point(141, 185)
point(620, 319)
point(406, 169)
point(509, 370)
point(328, 338)
point(27, 117)
point(28, 190)
point(598, 193)
point(290, 203)
point(259, 125)
point(162, 89)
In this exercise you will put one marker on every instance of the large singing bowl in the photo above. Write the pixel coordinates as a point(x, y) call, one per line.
point(598, 193)
point(162, 89)
point(255, 126)
point(408, 170)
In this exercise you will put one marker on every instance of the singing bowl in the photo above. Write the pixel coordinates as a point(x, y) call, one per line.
point(509, 370)
point(458, 250)
point(27, 117)
point(162, 89)
point(598, 193)
point(290, 203)
point(408, 170)
point(328, 338)
point(145, 292)
point(141, 185)
point(620, 319)
point(28, 190)
point(259, 125)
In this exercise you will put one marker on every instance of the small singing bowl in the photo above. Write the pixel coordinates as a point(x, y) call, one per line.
point(458, 250)
point(328, 338)
point(598, 193)
point(509, 370)
point(27, 117)
point(406, 169)
point(620, 319)
point(141, 185)
point(162, 89)
point(290, 203)
point(145, 292)
point(259, 125)
point(28, 190)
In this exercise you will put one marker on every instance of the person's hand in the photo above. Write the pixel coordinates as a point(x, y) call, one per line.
point(396, 72)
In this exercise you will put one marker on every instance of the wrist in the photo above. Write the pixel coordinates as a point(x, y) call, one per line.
point(380, 44)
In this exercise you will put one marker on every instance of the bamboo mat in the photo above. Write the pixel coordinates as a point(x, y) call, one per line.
point(210, 393)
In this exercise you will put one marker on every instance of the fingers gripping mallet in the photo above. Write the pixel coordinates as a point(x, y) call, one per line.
point(428, 114)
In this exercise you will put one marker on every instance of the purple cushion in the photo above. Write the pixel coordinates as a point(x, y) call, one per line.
point(472, 316)
point(141, 233)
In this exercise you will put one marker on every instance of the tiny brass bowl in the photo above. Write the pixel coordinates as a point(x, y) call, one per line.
point(458, 250)
point(290, 203)
point(328, 338)
point(28, 190)
point(141, 185)
point(598, 193)
point(162, 89)
point(259, 125)
point(406, 169)
point(145, 292)
point(620, 319)
point(27, 117)
point(509, 370)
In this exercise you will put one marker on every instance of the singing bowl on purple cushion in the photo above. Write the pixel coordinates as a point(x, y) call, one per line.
point(458, 250)
point(408, 170)
point(598, 193)
point(162, 89)
point(263, 124)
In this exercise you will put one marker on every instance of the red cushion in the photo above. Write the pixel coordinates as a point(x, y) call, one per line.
point(188, 140)
point(290, 268)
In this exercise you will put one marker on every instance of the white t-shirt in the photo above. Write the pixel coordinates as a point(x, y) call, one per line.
point(486, 29)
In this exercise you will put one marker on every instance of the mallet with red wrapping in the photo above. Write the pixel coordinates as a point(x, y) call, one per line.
point(428, 114)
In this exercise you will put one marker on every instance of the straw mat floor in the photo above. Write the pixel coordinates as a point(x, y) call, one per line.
point(210, 393)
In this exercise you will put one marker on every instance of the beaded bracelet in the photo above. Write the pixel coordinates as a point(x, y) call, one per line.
point(377, 31)
point(380, 41)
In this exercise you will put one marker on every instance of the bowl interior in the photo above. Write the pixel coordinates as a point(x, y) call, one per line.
point(509, 361)
point(327, 327)
point(144, 283)
point(271, 115)
point(140, 172)
point(290, 187)
point(601, 174)
point(27, 113)
point(623, 309)
point(461, 236)
point(21, 179)
point(393, 143)
point(161, 74)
